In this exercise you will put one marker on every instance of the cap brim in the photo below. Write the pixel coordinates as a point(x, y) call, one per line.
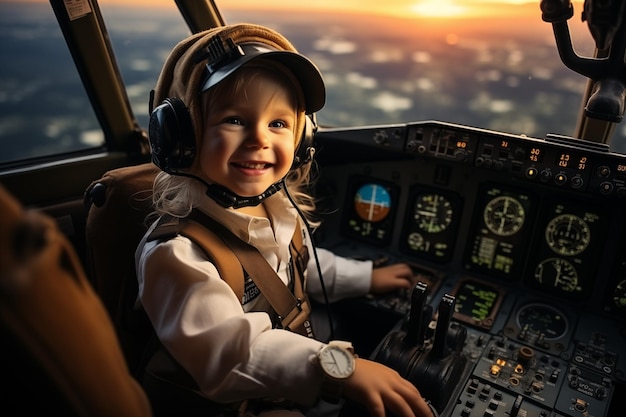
point(305, 71)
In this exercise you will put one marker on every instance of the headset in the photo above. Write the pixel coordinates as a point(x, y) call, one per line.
point(173, 142)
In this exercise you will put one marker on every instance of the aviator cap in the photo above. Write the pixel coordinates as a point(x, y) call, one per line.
point(205, 59)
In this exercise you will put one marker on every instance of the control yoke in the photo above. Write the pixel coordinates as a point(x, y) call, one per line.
point(605, 20)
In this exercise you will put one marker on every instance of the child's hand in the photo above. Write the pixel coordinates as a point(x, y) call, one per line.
point(380, 389)
point(391, 277)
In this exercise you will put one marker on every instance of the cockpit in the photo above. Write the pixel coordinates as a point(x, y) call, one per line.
point(487, 151)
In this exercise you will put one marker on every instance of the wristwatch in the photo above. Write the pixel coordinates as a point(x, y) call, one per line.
point(337, 361)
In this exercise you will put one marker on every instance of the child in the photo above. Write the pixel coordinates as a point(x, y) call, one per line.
point(229, 116)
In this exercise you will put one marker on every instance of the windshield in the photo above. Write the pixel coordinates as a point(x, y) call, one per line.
point(488, 64)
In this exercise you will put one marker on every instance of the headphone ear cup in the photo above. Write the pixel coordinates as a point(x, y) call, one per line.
point(306, 147)
point(171, 135)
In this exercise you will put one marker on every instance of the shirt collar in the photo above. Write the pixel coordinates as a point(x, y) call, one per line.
point(282, 214)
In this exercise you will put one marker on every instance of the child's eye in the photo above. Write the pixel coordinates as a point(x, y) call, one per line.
point(233, 120)
point(278, 124)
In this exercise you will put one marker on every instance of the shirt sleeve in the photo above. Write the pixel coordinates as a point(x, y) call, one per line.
point(231, 354)
point(342, 277)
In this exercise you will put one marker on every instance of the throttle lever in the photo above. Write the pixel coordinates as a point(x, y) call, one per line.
point(444, 318)
point(415, 328)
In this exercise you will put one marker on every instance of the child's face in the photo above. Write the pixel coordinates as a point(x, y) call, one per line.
point(248, 142)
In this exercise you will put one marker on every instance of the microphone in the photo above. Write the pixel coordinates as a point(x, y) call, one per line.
point(226, 198)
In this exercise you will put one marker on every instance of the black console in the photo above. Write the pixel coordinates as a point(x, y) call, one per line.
point(518, 247)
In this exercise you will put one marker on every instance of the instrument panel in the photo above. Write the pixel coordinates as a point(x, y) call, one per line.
point(467, 200)
point(528, 235)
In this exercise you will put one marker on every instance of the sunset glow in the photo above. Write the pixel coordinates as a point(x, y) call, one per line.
point(438, 8)
point(434, 9)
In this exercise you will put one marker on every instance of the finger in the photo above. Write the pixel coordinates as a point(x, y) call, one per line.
point(398, 405)
point(404, 270)
point(414, 398)
point(408, 273)
point(401, 281)
point(406, 283)
point(417, 403)
point(376, 407)
point(421, 408)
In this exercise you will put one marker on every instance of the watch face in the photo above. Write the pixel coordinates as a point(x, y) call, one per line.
point(337, 362)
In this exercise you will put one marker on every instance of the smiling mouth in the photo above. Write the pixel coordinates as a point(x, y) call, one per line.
point(250, 165)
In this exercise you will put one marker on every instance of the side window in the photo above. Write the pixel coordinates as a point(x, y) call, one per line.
point(142, 37)
point(44, 110)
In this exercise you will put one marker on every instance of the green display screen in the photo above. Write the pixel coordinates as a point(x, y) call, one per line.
point(476, 302)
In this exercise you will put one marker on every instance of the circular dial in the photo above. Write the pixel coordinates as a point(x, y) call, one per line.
point(415, 241)
point(433, 212)
point(542, 319)
point(372, 202)
point(337, 362)
point(557, 273)
point(504, 215)
point(568, 234)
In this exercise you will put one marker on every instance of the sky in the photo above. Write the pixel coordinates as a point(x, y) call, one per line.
point(418, 8)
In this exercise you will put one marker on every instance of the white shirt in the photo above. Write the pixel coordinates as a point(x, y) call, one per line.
point(231, 351)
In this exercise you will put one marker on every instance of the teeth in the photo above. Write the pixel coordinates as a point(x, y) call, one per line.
point(252, 166)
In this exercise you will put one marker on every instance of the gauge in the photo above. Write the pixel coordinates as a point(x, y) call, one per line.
point(430, 223)
point(568, 234)
point(504, 215)
point(619, 296)
point(433, 212)
point(542, 320)
point(415, 241)
point(369, 212)
point(557, 273)
point(372, 202)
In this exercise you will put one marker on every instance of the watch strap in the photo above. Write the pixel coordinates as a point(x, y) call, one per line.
point(332, 389)
point(343, 344)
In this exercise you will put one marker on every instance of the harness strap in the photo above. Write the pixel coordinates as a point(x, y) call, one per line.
point(226, 262)
point(232, 256)
point(293, 309)
point(223, 258)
